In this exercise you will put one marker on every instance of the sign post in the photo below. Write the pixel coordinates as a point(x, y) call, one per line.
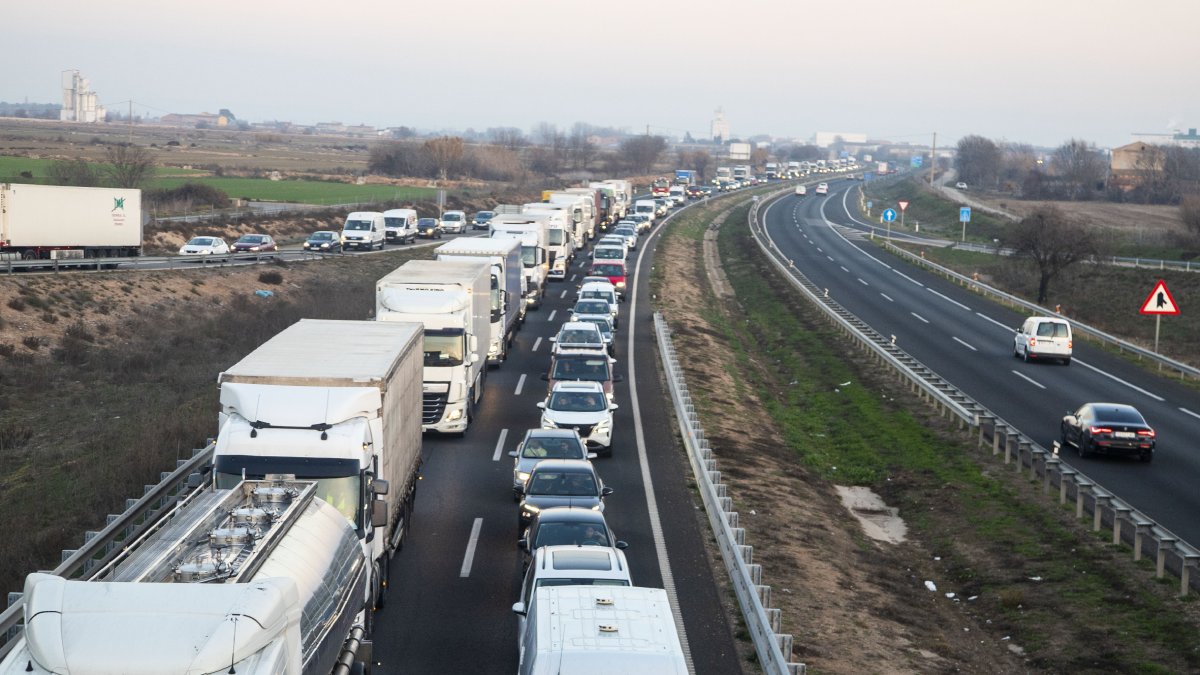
point(964, 216)
point(888, 216)
point(1158, 303)
point(903, 204)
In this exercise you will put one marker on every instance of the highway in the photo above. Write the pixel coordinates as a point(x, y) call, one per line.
point(454, 583)
point(968, 340)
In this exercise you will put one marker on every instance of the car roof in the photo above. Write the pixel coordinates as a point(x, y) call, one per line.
point(577, 325)
point(567, 560)
point(589, 386)
point(570, 514)
point(568, 465)
point(551, 433)
point(605, 285)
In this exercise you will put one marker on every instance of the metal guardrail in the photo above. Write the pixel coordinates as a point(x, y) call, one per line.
point(774, 649)
point(1183, 369)
point(1172, 552)
point(154, 263)
point(99, 547)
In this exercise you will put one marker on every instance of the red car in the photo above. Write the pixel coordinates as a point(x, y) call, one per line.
point(614, 270)
point(255, 243)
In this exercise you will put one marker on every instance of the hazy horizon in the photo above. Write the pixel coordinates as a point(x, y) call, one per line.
point(1038, 73)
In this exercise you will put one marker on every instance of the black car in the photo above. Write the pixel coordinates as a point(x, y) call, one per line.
point(481, 220)
point(324, 241)
point(563, 525)
point(1108, 428)
point(561, 482)
point(429, 228)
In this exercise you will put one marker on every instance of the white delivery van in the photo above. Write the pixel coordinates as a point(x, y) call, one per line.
point(678, 193)
point(1044, 337)
point(364, 230)
point(647, 207)
point(400, 225)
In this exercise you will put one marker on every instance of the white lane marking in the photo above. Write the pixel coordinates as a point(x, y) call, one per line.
point(860, 280)
point(471, 543)
point(500, 445)
point(843, 268)
point(1189, 412)
point(1035, 383)
point(887, 297)
point(573, 277)
point(536, 343)
point(908, 277)
point(988, 318)
point(968, 346)
point(919, 317)
point(552, 313)
point(1114, 378)
point(563, 294)
point(820, 249)
point(830, 258)
point(947, 299)
point(520, 385)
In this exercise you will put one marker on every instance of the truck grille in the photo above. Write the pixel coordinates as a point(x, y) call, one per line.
point(433, 406)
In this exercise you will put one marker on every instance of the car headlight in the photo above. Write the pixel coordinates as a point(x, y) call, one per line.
point(548, 423)
point(253, 248)
point(531, 509)
point(620, 284)
point(325, 245)
point(306, 244)
point(454, 415)
point(522, 476)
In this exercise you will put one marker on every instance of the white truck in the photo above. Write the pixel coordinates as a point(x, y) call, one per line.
point(623, 193)
point(596, 630)
point(561, 227)
point(337, 402)
point(45, 222)
point(507, 285)
point(531, 232)
point(453, 301)
point(585, 217)
point(364, 230)
point(596, 212)
point(264, 578)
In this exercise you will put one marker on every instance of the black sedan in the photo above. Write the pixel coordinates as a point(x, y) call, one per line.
point(561, 482)
point(563, 525)
point(324, 241)
point(1108, 428)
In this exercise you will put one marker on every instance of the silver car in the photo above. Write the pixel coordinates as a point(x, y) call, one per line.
point(540, 444)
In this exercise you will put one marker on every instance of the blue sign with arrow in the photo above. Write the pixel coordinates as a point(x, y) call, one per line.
point(964, 214)
point(889, 215)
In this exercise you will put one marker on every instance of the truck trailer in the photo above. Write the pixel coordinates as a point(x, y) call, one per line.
point(338, 402)
point(264, 578)
point(531, 232)
point(453, 301)
point(508, 285)
point(54, 222)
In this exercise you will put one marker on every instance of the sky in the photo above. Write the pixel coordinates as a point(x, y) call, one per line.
point(1038, 72)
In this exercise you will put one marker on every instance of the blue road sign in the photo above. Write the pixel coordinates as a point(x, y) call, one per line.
point(964, 214)
point(870, 204)
point(889, 215)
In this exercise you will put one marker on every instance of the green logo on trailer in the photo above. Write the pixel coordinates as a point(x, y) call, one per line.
point(118, 203)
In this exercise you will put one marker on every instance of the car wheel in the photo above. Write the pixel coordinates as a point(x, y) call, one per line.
point(1016, 352)
point(1025, 355)
point(1067, 361)
point(1082, 448)
point(1062, 438)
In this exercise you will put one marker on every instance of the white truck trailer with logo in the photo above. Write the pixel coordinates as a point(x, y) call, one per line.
point(453, 301)
point(54, 222)
point(531, 232)
point(507, 285)
point(338, 402)
point(264, 578)
point(595, 630)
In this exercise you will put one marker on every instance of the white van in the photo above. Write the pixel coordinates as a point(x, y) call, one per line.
point(364, 230)
point(678, 193)
point(1044, 337)
point(647, 207)
point(454, 222)
point(400, 225)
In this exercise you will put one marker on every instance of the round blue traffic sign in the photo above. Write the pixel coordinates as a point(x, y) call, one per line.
point(889, 215)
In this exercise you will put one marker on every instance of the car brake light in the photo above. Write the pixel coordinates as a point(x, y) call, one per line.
point(1032, 342)
point(1100, 430)
point(1146, 432)
point(1070, 344)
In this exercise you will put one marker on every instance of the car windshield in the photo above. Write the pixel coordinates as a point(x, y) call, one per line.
point(427, 222)
point(552, 448)
point(443, 349)
point(321, 236)
point(483, 215)
point(608, 253)
point(453, 217)
point(563, 484)
point(570, 534)
point(557, 237)
point(577, 401)
point(580, 368)
point(1052, 329)
point(394, 222)
point(604, 326)
point(606, 296)
point(357, 225)
point(592, 307)
point(626, 232)
point(609, 270)
point(251, 239)
point(575, 336)
point(200, 241)
point(581, 582)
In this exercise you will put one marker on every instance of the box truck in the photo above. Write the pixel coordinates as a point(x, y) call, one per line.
point(531, 232)
point(453, 301)
point(52, 222)
point(507, 286)
point(623, 194)
point(338, 402)
point(560, 226)
point(264, 578)
point(595, 212)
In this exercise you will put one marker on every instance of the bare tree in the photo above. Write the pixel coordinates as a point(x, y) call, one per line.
point(1189, 212)
point(511, 138)
point(759, 156)
point(978, 161)
point(582, 150)
point(701, 162)
point(445, 153)
point(1016, 161)
point(75, 172)
point(1081, 167)
point(129, 166)
point(1052, 241)
point(641, 152)
point(398, 159)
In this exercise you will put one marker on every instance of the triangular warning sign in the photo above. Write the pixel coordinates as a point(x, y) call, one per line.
point(1160, 301)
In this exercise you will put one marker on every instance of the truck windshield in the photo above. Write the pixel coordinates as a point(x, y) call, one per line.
point(338, 480)
point(395, 222)
point(357, 225)
point(558, 237)
point(444, 348)
point(529, 256)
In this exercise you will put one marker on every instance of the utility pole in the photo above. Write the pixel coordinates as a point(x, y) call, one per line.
point(131, 121)
point(933, 159)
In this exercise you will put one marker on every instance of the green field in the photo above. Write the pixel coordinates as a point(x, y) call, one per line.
point(11, 168)
point(303, 191)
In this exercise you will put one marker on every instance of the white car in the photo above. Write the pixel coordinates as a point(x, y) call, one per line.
point(204, 246)
point(589, 307)
point(822, 188)
point(960, 185)
point(603, 290)
point(801, 190)
point(1043, 338)
point(581, 405)
point(577, 335)
point(454, 222)
point(630, 233)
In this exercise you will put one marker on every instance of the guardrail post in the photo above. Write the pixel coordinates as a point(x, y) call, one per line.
point(982, 421)
point(1050, 462)
point(785, 644)
point(1024, 447)
point(1120, 511)
point(775, 619)
point(1065, 475)
point(1165, 545)
point(1098, 503)
point(1083, 488)
point(1140, 529)
point(999, 433)
point(1187, 562)
point(1011, 446)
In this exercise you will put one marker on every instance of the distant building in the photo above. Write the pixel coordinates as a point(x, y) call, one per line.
point(1189, 140)
point(720, 127)
point(824, 139)
point(1130, 164)
point(199, 120)
point(79, 101)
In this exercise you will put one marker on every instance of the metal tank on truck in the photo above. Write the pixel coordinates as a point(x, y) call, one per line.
point(264, 578)
point(507, 285)
point(453, 301)
point(338, 402)
point(54, 222)
point(531, 232)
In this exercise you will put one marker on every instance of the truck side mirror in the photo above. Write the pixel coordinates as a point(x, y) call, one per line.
point(519, 608)
point(379, 513)
point(606, 491)
point(512, 453)
point(379, 486)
